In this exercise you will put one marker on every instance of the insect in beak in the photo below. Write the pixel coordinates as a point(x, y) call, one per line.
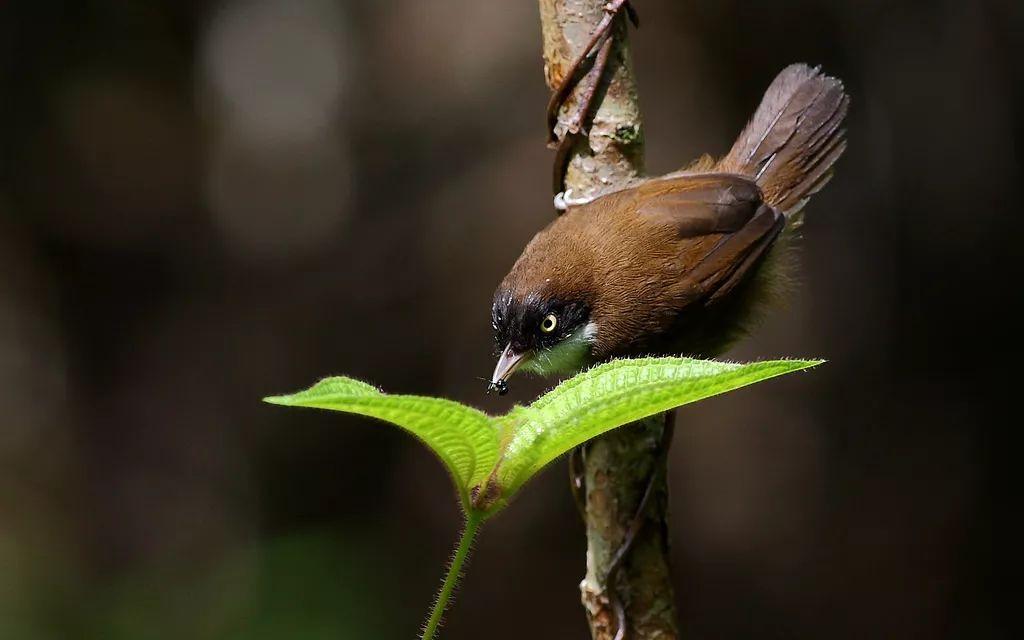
point(507, 364)
point(499, 386)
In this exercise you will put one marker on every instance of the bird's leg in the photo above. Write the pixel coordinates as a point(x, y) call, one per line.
point(561, 136)
point(637, 525)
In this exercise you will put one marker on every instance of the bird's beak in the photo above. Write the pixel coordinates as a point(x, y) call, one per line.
point(507, 364)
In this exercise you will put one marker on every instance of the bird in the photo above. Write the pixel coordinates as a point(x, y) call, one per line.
point(681, 264)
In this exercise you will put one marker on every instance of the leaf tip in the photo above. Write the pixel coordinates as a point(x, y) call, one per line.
point(792, 365)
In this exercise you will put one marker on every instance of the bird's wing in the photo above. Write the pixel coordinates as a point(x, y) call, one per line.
point(722, 225)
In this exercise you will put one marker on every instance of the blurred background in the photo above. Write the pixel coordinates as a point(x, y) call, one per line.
point(202, 203)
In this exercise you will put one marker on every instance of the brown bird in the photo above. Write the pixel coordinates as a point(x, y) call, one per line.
point(678, 264)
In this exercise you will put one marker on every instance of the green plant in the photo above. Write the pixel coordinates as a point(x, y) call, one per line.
point(490, 458)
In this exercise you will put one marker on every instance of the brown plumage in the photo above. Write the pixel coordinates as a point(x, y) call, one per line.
point(676, 264)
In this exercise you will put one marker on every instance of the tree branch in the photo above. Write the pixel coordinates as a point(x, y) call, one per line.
point(612, 154)
point(616, 467)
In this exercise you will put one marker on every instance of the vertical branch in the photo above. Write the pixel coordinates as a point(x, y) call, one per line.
point(612, 155)
point(617, 466)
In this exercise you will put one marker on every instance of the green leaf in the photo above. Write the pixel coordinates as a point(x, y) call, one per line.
point(614, 394)
point(502, 453)
point(464, 438)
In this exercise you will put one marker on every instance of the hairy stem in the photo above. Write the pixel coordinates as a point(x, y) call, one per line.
point(473, 522)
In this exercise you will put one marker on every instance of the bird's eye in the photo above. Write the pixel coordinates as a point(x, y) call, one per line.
point(548, 324)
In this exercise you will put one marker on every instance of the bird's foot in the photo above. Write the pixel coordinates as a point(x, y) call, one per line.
point(565, 199)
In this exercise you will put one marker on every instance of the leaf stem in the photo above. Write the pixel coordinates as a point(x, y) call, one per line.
point(473, 521)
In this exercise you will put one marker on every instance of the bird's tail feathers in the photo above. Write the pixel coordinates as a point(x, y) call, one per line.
point(794, 138)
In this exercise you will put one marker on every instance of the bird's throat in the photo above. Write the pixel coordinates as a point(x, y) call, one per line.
point(569, 356)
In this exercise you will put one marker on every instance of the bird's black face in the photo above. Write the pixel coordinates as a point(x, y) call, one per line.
point(535, 332)
point(534, 323)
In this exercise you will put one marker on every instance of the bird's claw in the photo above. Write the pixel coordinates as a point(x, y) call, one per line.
point(564, 200)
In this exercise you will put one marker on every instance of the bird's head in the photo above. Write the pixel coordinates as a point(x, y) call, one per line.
point(539, 332)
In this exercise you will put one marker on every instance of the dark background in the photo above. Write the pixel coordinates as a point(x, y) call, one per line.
point(202, 203)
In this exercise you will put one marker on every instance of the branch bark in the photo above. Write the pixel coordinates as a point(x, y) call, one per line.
point(612, 156)
point(617, 466)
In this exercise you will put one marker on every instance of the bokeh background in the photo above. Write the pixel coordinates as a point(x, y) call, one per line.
point(202, 203)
